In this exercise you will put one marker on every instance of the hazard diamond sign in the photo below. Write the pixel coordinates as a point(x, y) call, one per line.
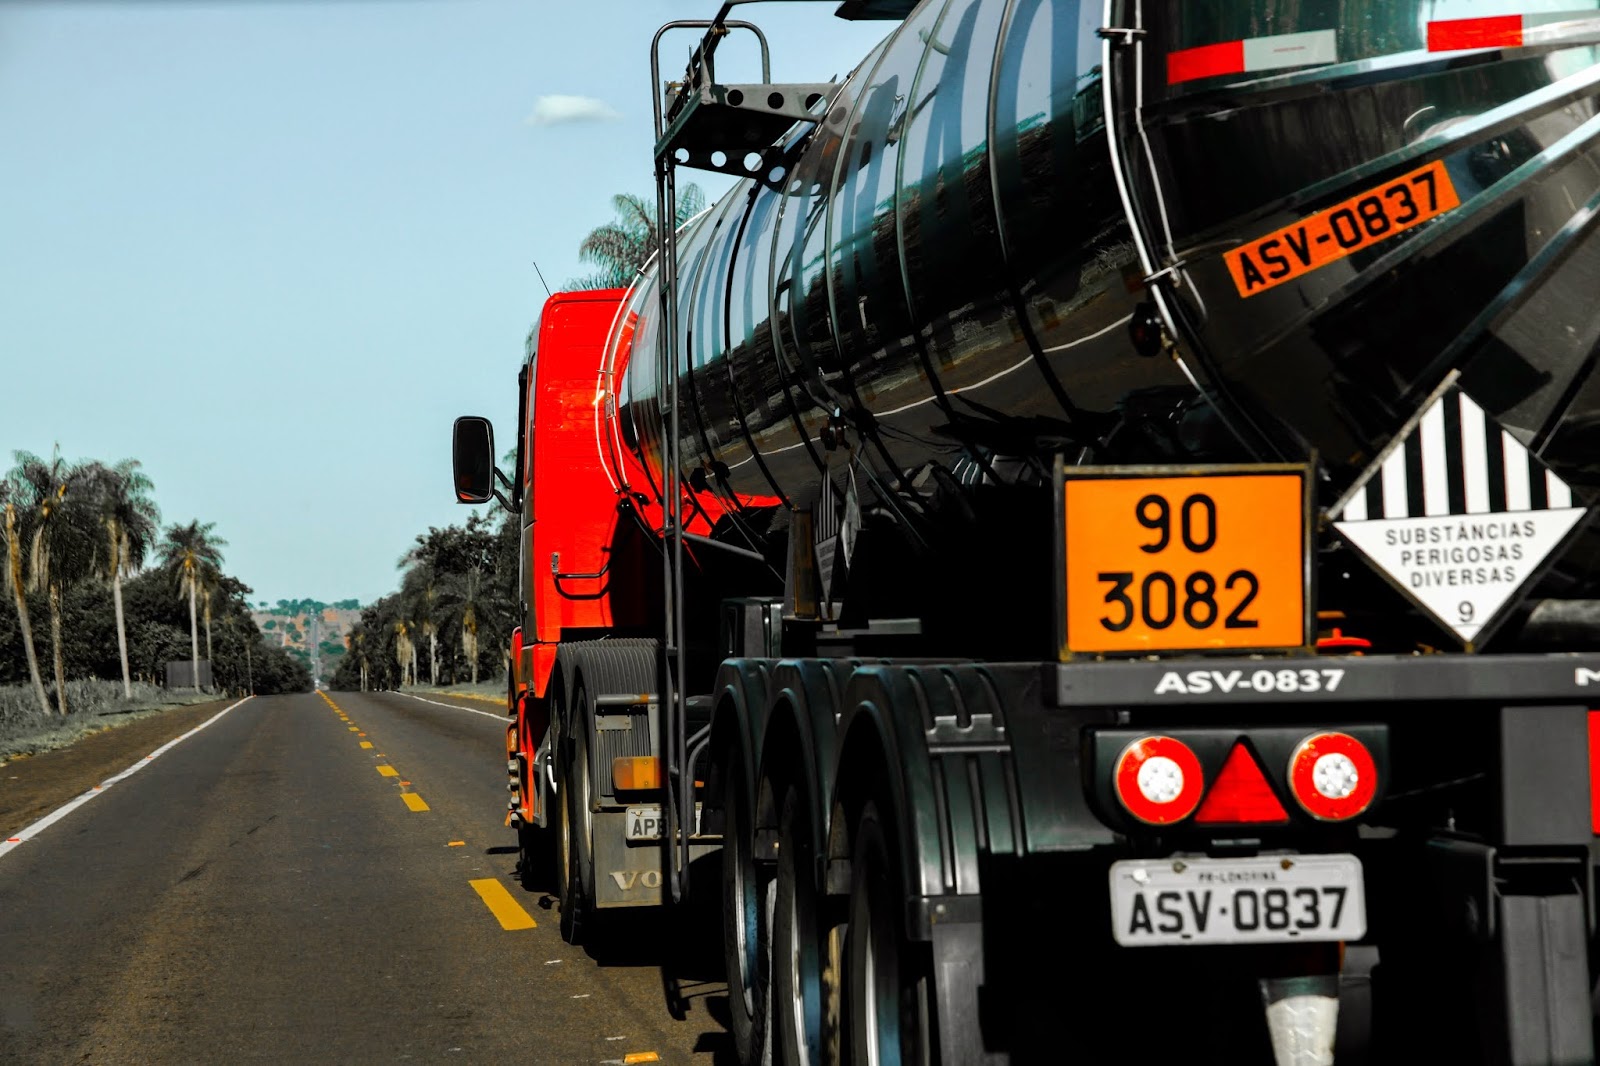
point(1459, 514)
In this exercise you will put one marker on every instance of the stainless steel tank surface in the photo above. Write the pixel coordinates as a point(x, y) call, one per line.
point(1340, 202)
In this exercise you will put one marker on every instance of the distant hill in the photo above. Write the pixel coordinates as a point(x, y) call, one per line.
point(309, 629)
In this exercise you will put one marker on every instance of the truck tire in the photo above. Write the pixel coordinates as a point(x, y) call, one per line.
point(593, 669)
point(800, 1030)
point(576, 911)
point(565, 897)
point(744, 922)
point(889, 982)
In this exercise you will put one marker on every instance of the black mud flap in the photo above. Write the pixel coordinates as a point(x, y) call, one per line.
point(1545, 973)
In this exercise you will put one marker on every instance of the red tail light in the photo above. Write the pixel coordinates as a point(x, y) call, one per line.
point(1333, 776)
point(1241, 794)
point(1159, 780)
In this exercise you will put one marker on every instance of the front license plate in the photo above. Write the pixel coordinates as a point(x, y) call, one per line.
point(1273, 899)
point(1185, 560)
point(644, 822)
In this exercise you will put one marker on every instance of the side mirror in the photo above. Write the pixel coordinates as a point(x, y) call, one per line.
point(472, 455)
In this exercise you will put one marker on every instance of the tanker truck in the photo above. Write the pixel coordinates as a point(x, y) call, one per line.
point(1090, 541)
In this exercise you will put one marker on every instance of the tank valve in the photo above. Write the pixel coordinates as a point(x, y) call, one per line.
point(1145, 330)
point(832, 432)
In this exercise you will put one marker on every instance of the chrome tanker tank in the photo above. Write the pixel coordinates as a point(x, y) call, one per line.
point(1149, 231)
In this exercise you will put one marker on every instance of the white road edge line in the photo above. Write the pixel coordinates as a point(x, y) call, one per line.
point(458, 707)
point(22, 836)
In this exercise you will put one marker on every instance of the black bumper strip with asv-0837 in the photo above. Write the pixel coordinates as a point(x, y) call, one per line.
point(1569, 678)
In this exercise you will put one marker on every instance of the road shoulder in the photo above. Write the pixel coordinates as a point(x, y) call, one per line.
point(35, 785)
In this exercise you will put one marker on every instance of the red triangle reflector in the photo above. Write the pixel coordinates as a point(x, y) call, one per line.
point(1240, 795)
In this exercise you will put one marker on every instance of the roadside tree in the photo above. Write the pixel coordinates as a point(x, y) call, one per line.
point(61, 551)
point(16, 537)
point(619, 249)
point(187, 552)
point(131, 522)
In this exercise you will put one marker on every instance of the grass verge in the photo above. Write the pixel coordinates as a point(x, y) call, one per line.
point(483, 691)
point(93, 704)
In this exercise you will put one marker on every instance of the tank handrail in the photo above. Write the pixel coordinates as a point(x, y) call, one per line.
point(701, 54)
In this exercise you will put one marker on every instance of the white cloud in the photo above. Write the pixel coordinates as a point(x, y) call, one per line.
point(557, 110)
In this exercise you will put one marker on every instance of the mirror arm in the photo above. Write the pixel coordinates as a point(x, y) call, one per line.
point(504, 502)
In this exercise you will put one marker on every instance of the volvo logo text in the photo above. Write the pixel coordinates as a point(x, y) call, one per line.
point(626, 879)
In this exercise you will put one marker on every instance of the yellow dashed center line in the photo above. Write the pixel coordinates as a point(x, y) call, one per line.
point(456, 844)
point(505, 908)
point(507, 911)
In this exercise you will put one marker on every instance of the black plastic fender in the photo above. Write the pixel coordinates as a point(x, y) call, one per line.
point(801, 735)
point(927, 746)
point(929, 743)
point(739, 718)
point(605, 667)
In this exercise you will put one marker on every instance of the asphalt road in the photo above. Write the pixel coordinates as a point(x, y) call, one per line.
point(264, 892)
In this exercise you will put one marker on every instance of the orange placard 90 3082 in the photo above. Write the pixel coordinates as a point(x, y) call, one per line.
point(1185, 560)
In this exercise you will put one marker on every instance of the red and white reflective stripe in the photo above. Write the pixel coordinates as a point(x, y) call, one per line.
point(1159, 780)
point(1503, 31)
point(1277, 52)
point(1333, 776)
point(1594, 771)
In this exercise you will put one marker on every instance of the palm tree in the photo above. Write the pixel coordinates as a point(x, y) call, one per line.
point(405, 654)
point(465, 602)
point(621, 248)
point(131, 522)
point(189, 551)
point(16, 534)
point(358, 648)
point(61, 550)
point(210, 579)
point(429, 607)
point(421, 592)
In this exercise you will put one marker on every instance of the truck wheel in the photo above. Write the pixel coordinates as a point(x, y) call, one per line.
point(889, 985)
point(577, 910)
point(743, 936)
point(567, 888)
point(797, 944)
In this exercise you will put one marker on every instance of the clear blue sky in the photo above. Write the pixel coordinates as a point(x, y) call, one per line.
point(272, 247)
